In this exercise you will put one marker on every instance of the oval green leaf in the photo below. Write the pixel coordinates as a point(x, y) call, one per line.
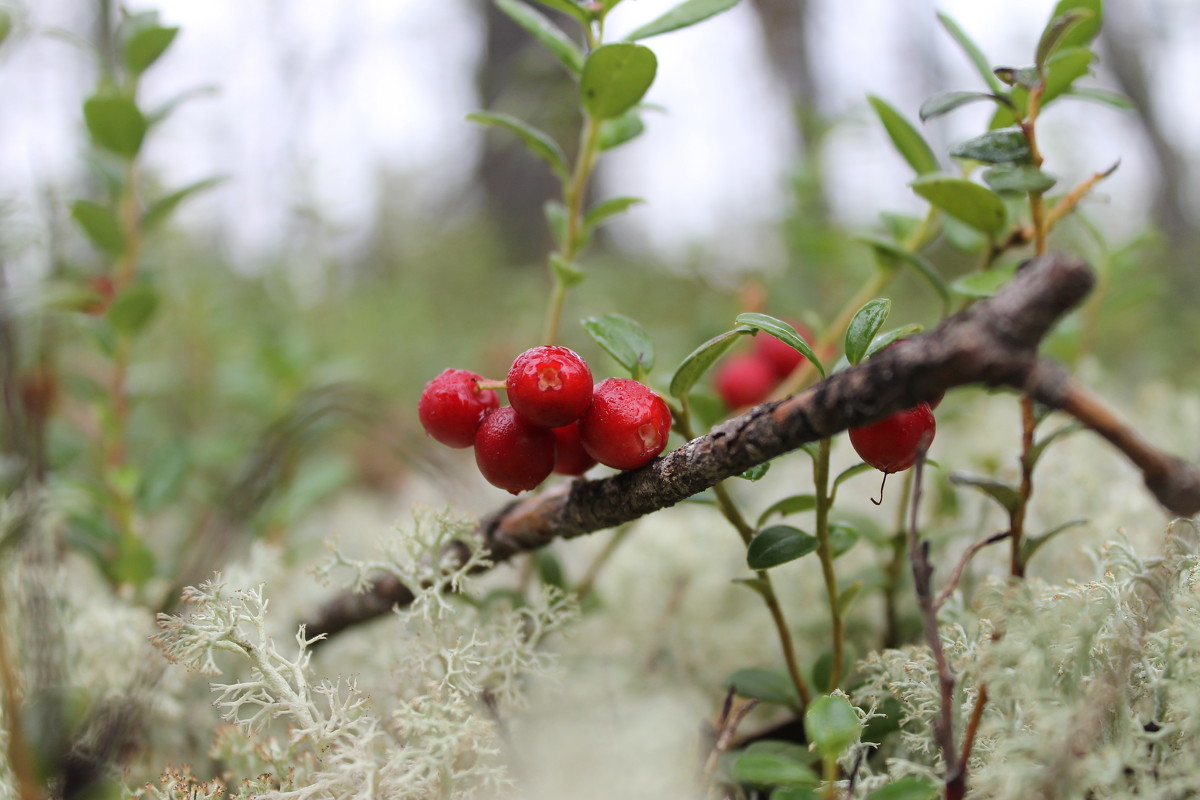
point(133, 308)
point(619, 130)
point(884, 339)
point(1056, 32)
point(777, 545)
point(907, 788)
point(608, 208)
point(832, 725)
point(757, 472)
point(788, 505)
point(1003, 146)
point(976, 205)
point(537, 142)
point(783, 332)
point(161, 209)
point(681, 16)
point(766, 685)
point(623, 339)
point(615, 78)
point(1020, 179)
point(546, 32)
point(567, 272)
point(115, 123)
point(982, 65)
point(907, 140)
point(1063, 69)
point(945, 102)
point(864, 325)
point(568, 7)
point(1082, 34)
point(772, 769)
point(1003, 493)
point(100, 224)
point(890, 255)
point(700, 360)
point(983, 284)
point(145, 47)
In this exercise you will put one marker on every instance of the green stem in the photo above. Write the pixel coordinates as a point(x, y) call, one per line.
point(895, 570)
point(825, 553)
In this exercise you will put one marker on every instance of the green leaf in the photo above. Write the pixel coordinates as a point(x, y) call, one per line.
point(1039, 447)
point(1031, 544)
point(766, 685)
point(619, 130)
point(568, 7)
point(848, 596)
point(794, 793)
point(115, 123)
point(944, 102)
point(1110, 98)
point(842, 537)
point(100, 224)
point(608, 208)
point(133, 308)
point(788, 505)
point(146, 45)
point(896, 334)
point(783, 332)
point(538, 143)
point(983, 284)
point(700, 360)
point(1082, 34)
point(133, 562)
point(982, 65)
point(890, 255)
point(549, 570)
point(681, 16)
point(623, 339)
point(162, 208)
point(546, 32)
point(756, 585)
point(568, 272)
point(777, 545)
point(850, 472)
point(164, 477)
point(864, 325)
point(1056, 33)
point(1003, 146)
point(772, 769)
point(1003, 493)
point(907, 788)
point(5, 25)
point(976, 205)
point(556, 217)
point(907, 140)
point(1066, 67)
point(615, 78)
point(757, 472)
point(1019, 179)
point(832, 725)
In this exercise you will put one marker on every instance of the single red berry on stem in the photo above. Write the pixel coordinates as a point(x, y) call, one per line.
point(782, 357)
point(452, 405)
point(893, 443)
point(513, 453)
point(745, 380)
point(627, 424)
point(550, 385)
point(571, 458)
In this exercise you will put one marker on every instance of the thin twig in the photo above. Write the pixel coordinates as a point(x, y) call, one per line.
point(956, 575)
point(731, 718)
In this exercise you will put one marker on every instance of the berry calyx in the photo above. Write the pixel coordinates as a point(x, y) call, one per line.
point(626, 425)
point(570, 458)
point(550, 386)
point(452, 406)
point(513, 453)
point(893, 443)
point(782, 357)
point(745, 380)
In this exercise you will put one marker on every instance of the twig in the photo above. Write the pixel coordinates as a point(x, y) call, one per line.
point(731, 718)
point(973, 725)
point(956, 575)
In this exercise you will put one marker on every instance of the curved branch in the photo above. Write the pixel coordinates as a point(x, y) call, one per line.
point(994, 343)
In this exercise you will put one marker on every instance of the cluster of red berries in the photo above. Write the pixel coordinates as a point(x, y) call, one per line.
point(747, 379)
point(557, 421)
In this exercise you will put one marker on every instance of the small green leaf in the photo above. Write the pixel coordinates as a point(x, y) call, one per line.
point(1066, 67)
point(1039, 447)
point(115, 123)
point(549, 570)
point(570, 273)
point(783, 332)
point(842, 537)
point(850, 472)
point(1056, 32)
point(165, 476)
point(681, 16)
point(568, 7)
point(848, 596)
point(619, 130)
point(615, 78)
point(1003, 493)
point(907, 140)
point(608, 208)
point(556, 217)
point(538, 143)
point(907, 788)
point(766, 685)
point(756, 585)
point(623, 339)
point(945, 102)
point(788, 505)
point(1019, 179)
point(160, 209)
point(546, 32)
point(890, 255)
point(982, 65)
point(1003, 146)
point(146, 45)
point(896, 334)
point(133, 563)
point(983, 284)
point(1109, 98)
point(832, 725)
point(864, 325)
point(757, 472)
point(1082, 34)
point(777, 545)
point(133, 308)
point(100, 224)
point(700, 360)
point(772, 769)
point(976, 205)
point(1031, 544)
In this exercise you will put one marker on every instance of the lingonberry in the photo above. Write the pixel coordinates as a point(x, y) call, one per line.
point(571, 458)
point(550, 385)
point(782, 357)
point(512, 452)
point(627, 424)
point(452, 405)
point(893, 443)
point(745, 379)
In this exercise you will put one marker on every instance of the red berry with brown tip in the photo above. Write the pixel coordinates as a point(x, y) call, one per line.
point(744, 380)
point(627, 424)
point(452, 405)
point(571, 458)
point(513, 453)
point(893, 443)
point(550, 385)
point(782, 357)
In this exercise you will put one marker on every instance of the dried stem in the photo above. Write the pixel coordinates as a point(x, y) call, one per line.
point(956, 575)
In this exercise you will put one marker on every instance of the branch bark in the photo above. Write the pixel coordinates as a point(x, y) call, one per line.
point(994, 342)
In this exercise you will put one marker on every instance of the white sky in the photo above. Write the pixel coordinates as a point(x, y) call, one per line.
point(316, 100)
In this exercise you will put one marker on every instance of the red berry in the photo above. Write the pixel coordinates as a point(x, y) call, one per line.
point(892, 444)
point(571, 458)
point(627, 424)
point(452, 406)
point(513, 453)
point(782, 357)
point(550, 386)
point(745, 380)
